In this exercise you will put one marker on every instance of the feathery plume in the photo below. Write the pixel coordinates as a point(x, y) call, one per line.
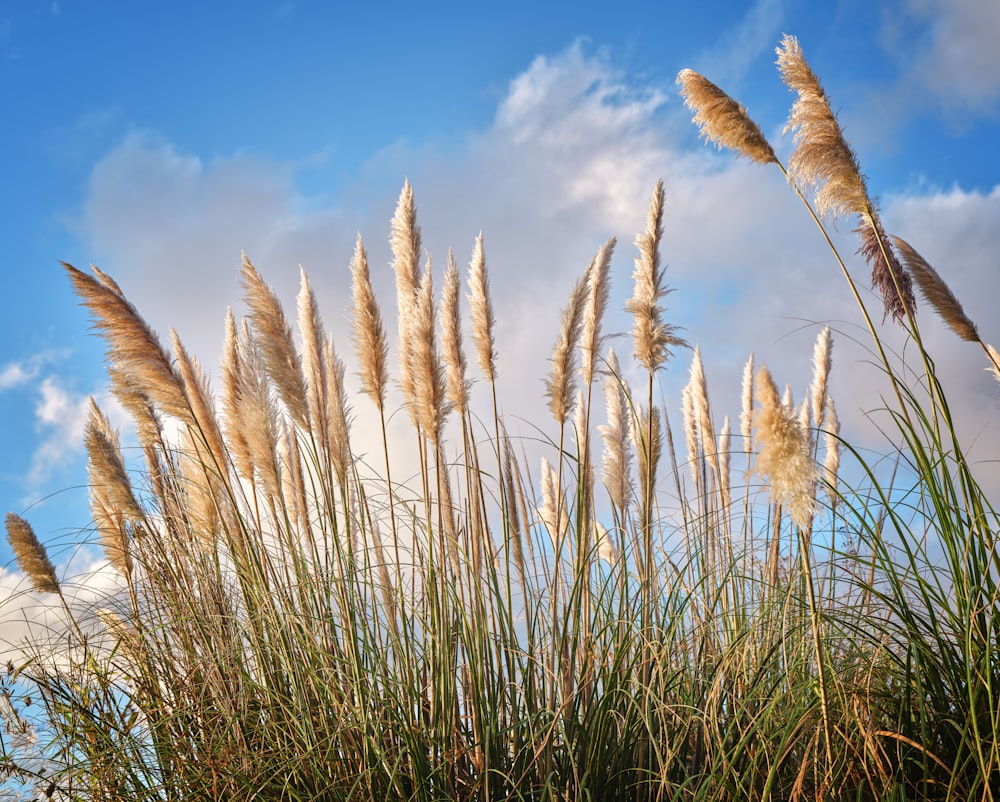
point(560, 382)
point(404, 240)
point(511, 504)
point(647, 454)
point(994, 356)
point(314, 366)
point(232, 399)
point(451, 337)
point(585, 476)
point(722, 120)
point(482, 310)
point(106, 280)
point(725, 435)
point(824, 161)
point(257, 415)
point(198, 487)
point(112, 501)
point(936, 292)
point(653, 338)
point(201, 403)
point(369, 332)
point(405, 243)
point(552, 500)
point(598, 290)
point(293, 492)
point(831, 446)
point(746, 410)
point(702, 413)
point(428, 401)
point(888, 276)
point(783, 452)
point(134, 350)
point(274, 341)
point(617, 458)
point(106, 465)
point(31, 555)
point(805, 417)
point(822, 361)
point(822, 158)
point(691, 435)
point(606, 548)
point(148, 428)
point(337, 412)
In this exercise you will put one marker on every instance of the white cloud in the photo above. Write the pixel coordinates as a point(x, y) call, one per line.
point(958, 58)
point(24, 371)
point(948, 57)
point(583, 130)
point(729, 59)
point(60, 417)
point(180, 224)
point(59, 414)
point(14, 374)
point(30, 622)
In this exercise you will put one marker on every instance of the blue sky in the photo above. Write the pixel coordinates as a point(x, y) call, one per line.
point(158, 141)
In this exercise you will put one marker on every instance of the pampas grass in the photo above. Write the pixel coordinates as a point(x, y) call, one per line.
point(615, 434)
point(482, 311)
point(722, 120)
point(762, 616)
point(369, 332)
point(937, 293)
point(783, 458)
point(451, 338)
point(32, 557)
point(653, 336)
point(822, 158)
point(560, 385)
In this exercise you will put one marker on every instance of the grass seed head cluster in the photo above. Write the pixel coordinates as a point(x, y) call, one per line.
point(725, 616)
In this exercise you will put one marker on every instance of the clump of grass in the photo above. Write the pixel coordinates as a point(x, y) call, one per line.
point(298, 623)
point(928, 682)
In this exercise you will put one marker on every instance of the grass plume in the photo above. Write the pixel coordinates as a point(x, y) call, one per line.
point(722, 120)
point(31, 555)
point(937, 293)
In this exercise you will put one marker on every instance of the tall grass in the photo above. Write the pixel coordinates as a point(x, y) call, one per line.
point(300, 620)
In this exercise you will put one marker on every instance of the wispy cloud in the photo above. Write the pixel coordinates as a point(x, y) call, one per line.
point(24, 371)
point(730, 58)
point(583, 129)
point(60, 418)
point(14, 374)
point(948, 63)
point(59, 414)
point(957, 53)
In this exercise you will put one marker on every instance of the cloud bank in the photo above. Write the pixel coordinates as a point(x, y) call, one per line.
point(957, 58)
